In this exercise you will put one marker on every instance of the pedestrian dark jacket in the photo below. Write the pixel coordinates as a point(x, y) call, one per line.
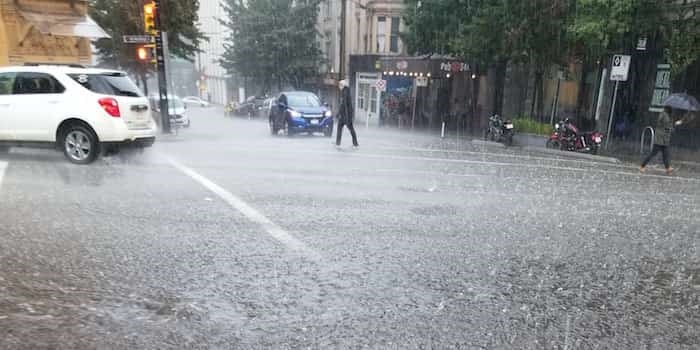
point(345, 110)
point(663, 130)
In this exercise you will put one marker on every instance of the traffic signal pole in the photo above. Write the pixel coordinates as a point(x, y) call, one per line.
point(343, 44)
point(160, 62)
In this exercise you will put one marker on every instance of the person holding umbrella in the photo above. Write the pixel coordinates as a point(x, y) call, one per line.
point(664, 128)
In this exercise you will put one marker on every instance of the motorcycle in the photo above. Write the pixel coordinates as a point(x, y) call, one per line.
point(567, 137)
point(499, 130)
point(229, 109)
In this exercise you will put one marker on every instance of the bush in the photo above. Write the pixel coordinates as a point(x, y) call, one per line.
point(531, 126)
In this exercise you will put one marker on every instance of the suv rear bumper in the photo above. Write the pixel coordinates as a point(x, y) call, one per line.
point(119, 133)
point(140, 142)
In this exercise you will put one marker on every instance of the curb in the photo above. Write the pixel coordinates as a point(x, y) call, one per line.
point(573, 154)
point(487, 143)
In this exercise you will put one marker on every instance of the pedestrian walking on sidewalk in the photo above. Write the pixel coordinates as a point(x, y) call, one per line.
point(662, 140)
point(345, 114)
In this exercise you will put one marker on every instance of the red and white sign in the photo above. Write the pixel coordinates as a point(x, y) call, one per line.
point(454, 67)
point(381, 85)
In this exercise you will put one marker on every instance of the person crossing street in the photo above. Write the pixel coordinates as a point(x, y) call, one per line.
point(345, 115)
point(662, 140)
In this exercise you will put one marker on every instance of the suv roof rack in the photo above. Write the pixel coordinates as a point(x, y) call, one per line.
point(72, 65)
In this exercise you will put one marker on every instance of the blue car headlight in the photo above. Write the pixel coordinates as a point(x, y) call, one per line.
point(294, 114)
point(328, 114)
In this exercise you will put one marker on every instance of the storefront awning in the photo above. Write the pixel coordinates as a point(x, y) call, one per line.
point(65, 25)
point(437, 66)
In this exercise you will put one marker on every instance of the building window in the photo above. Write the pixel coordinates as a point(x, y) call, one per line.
point(394, 44)
point(329, 56)
point(357, 38)
point(329, 7)
point(381, 34)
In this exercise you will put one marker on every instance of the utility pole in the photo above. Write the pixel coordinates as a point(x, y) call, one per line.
point(343, 16)
point(160, 61)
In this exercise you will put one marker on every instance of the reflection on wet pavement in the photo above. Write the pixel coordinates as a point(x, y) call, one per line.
point(416, 253)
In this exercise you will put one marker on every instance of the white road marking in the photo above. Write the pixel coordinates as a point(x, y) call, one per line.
point(592, 169)
point(3, 166)
point(504, 155)
point(278, 233)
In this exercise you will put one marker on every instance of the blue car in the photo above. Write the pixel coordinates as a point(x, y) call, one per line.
point(300, 112)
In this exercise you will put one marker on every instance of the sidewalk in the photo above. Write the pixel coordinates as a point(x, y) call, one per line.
point(629, 152)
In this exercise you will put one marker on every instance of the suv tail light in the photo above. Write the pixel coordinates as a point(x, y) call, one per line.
point(110, 106)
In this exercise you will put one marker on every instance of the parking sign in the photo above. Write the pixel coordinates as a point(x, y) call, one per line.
point(620, 67)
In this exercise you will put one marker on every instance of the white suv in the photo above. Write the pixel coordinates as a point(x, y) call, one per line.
point(81, 111)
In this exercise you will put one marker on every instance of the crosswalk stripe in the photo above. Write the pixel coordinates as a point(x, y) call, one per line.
point(3, 166)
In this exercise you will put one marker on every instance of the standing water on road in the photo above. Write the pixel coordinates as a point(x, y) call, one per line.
point(255, 224)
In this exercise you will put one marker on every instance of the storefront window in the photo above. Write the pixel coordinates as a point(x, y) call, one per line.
point(373, 101)
point(361, 96)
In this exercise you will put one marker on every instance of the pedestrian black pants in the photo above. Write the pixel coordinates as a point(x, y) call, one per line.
point(339, 134)
point(664, 153)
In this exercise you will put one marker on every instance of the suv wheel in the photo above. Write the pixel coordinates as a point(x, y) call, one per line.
point(79, 144)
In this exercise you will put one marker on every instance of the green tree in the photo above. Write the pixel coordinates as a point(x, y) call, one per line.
point(602, 27)
point(491, 34)
point(272, 42)
point(682, 33)
point(120, 18)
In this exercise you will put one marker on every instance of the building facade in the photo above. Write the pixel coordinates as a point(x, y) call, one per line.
point(212, 77)
point(46, 31)
point(372, 28)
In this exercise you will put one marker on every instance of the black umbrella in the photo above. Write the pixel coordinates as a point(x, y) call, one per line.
point(682, 101)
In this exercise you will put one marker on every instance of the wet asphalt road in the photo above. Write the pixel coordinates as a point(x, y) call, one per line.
point(226, 237)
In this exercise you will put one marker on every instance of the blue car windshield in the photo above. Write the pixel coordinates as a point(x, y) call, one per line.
point(303, 100)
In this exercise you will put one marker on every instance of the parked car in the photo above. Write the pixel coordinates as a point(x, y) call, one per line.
point(195, 101)
point(300, 112)
point(250, 107)
point(176, 108)
point(81, 111)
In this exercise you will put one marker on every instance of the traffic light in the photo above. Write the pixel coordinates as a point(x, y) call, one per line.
point(144, 53)
point(149, 18)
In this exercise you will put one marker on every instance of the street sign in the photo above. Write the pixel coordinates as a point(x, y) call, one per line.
point(620, 67)
point(381, 85)
point(137, 39)
point(422, 81)
point(642, 44)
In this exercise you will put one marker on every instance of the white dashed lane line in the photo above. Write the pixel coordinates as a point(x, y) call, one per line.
point(274, 230)
point(3, 166)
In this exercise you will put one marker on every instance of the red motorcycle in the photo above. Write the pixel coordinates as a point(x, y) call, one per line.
point(567, 137)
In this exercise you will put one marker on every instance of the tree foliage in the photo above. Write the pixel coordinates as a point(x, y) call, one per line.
point(120, 18)
point(272, 41)
point(602, 27)
point(539, 35)
point(683, 35)
point(547, 32)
